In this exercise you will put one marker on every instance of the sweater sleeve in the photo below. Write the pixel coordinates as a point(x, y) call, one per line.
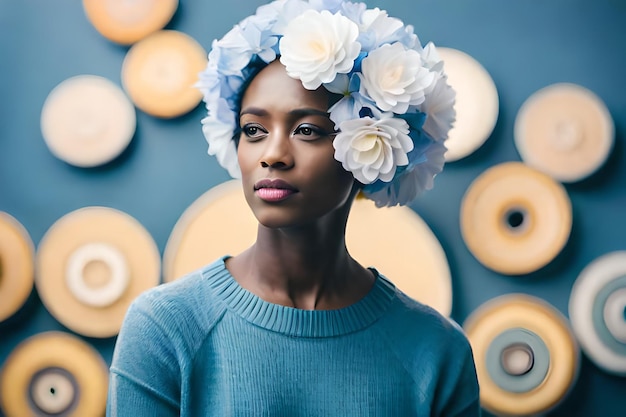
point(459, 394)
point(144, 374)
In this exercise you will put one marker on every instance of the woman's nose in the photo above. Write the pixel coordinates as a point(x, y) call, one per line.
point(277, 153)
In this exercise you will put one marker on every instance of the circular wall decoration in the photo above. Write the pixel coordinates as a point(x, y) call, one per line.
point(564, 130)
point(526, 356)
point(159, 73)
point(53, 374)
point(515, 219)
point(17, 254)
point(406, 251)
point(127, 21)
point(476, 103)
point(91, 264)
point(87, 121)
point(597, 310)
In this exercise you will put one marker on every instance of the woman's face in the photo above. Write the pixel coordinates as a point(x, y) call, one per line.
point(285, 152)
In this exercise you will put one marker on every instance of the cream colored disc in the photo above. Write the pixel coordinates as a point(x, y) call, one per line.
point(127, 21)
point(597, 307)
point(526, 356)
point(160, 71)
point(219, 222)
point(476, 103)
point(564, 130)
point(87, 121)
point(53, 374)
point(91, 264)
point(515, 219)
point(394, 240)
point(17, 254)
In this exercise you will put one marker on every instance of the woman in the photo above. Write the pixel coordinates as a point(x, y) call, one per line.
point(294, 326)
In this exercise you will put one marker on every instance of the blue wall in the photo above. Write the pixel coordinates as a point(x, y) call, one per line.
point(524, 44)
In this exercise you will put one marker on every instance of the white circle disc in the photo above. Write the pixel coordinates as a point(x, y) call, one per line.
point(103, 295)
point(587, 311)
point(53, 392)
point(476, 103)
point(565, 131)
point(87, 121)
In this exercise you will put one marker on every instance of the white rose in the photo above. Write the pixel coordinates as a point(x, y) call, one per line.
point(439, 106)
point(316, 46)
point(395, 78)
point(414, 181)
point(372, 149)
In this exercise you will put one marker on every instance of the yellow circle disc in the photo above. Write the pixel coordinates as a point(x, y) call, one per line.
point(160, 71)
point(87, 121)
point(53, 373)
point(564, 130)
point(91, 264)
point(500, 325)
point(476, 103)
point(394, 240)
point(16, 265)
point(515, 219)
point(127, 21)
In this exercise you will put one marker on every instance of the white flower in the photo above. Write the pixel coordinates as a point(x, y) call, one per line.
point(219, 136)
point(377, 28)
point(394, 77)
point(439, 106)
point(372, 148)
point(318, 45)
point(413, 181)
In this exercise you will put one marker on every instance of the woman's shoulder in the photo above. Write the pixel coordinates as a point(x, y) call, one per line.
point(419, 324)
point(186, 299)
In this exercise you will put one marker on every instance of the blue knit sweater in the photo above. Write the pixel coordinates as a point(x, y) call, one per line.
point(204, 346)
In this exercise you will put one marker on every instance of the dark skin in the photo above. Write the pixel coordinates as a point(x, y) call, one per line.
point(300, 257)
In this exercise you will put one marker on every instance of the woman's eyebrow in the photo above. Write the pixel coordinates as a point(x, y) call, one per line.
point(308, 112)
point(256, 111)
point(297, 113)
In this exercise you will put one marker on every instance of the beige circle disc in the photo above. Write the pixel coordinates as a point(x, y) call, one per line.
point(564, 130)
point(476, 103)
point(53, 372)
point(160, 71)
point(16, 265)
point(522, 315)
point(127, 21)
point(87, 121)
point(395, 240)
point(73, 233)
point(515, 219)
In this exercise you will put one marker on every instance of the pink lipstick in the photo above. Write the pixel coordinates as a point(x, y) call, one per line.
point(273, 190)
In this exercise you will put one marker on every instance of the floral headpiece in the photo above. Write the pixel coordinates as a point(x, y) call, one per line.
point(396, 107)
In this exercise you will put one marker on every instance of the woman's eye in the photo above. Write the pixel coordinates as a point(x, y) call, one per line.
point(253, 132)
point(307, 132)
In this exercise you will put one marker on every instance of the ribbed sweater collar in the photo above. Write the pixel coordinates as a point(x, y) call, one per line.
point(296, 322)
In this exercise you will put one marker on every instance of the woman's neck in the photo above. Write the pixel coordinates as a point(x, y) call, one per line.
point(304, 267)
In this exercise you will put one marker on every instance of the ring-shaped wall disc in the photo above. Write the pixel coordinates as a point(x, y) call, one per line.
point(53, 374)
point(87, 121)
point(597, 310)
point(515, 219)
point(394, 240)
point(127, 21)
point(159, 73)
point(518, 337)
point(476, 103)
point(17, 254)
point(564, 130)
point(97, 306)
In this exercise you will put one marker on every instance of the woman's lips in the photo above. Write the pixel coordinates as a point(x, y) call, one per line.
point(274, 190)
